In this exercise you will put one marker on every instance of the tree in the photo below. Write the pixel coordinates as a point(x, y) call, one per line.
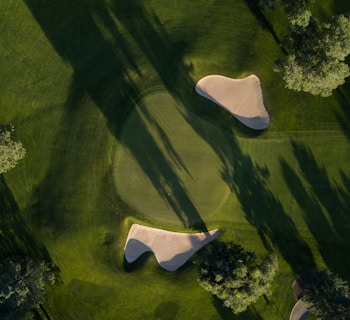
point(10, 151)
point(328, 297)
point(316, 79)
point(316, 55)
point(236, 276)
point(23, 286)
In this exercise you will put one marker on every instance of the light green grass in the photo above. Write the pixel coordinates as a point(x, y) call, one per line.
point(72, 71)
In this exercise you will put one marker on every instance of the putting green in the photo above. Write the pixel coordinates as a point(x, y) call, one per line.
point(166, 167)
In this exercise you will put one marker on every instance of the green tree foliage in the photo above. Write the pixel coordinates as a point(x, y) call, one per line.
point(328, 298)
point(316, 55)
point(236, 276)
point(10, 151)
point(315, 61)
point(23, 286)
point(300, 18)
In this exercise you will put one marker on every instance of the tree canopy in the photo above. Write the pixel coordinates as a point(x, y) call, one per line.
point(236, 276)
point(11, 151)
point(23, 285)
point(328, 297)
point(316, 55)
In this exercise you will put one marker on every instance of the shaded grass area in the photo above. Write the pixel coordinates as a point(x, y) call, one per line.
point(16, 237)
point(295, 193)
point(72, 73)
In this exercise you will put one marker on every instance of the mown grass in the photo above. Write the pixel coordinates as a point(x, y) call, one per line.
point(72, 71)
point(164, 167)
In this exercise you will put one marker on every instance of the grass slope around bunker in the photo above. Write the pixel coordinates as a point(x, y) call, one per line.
point(165, 169)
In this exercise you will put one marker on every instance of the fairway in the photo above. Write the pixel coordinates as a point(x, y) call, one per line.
point(164, 169)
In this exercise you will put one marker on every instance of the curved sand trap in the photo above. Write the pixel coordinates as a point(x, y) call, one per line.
point(242, 97)
point(299, 311)
point(171, 249)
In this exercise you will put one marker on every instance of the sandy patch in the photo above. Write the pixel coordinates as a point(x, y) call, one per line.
point(171, 249)
point(242, 97)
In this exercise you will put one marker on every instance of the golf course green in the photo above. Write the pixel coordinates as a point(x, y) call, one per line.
point(163, 167)
point(102, 95)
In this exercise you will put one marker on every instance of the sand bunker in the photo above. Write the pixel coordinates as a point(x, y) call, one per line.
point(171, 249)
point(242, 97)
point(299, 311)
point(305, 280)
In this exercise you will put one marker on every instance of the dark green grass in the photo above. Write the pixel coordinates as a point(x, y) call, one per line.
point(72, 71)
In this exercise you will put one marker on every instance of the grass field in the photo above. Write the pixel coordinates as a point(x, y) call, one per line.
point(92, 85)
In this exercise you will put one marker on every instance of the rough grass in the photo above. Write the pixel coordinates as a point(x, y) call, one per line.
point(68, 83)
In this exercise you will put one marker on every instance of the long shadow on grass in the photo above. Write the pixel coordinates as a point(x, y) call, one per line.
point(326, 206)
point(163, 177)
point(100, 40)
point(86, 35)
point(101, 67)
point(164, 52)
point(166, 57)
point(257, 11)
point(264, 211)
point(15, 236)
point(344, 100)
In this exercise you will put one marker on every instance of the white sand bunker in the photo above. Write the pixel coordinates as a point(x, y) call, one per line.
point(171, 249)
point(242, 97)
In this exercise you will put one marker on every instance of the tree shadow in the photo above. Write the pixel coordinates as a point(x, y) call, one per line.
point(104, 41)
point(164, 53)
point(343, 97)
point(161, 172)
point(15, 236)
point(266, 213)
point(325, 206)
point(259, 15)
point(85, 34)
